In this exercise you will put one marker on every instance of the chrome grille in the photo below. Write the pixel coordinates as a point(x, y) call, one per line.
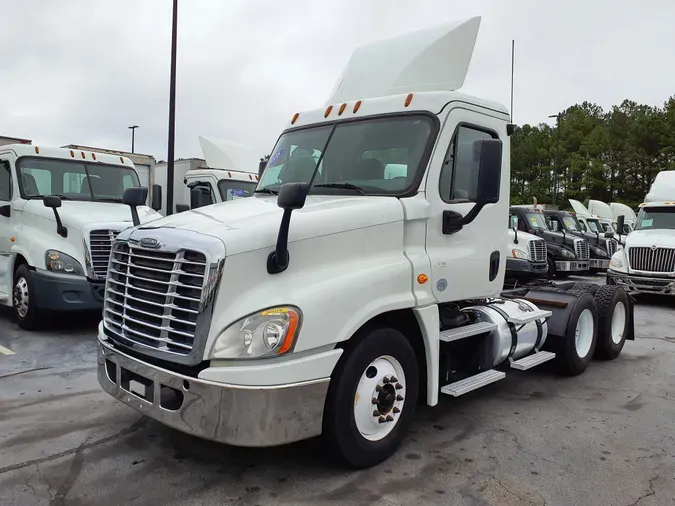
point(612, 246)
point(652, 260)
point(154, 298)
point(538, 250)
point(100, 243)
point(581, 249)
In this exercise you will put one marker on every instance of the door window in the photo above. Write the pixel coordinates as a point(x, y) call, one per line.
point(5, 182)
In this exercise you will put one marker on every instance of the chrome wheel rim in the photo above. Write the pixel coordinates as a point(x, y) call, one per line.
point(21, 297)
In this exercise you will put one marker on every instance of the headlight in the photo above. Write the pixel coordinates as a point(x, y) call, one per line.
point(268, 333)
point(616, 263)
point(600, 252)
point(519, 253)
point(567, 253)
point(56, 261)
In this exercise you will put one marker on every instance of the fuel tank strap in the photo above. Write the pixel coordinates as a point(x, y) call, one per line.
point(512, 327)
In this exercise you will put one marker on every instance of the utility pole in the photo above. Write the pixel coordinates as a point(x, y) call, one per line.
point(557, 157)
point(133, 137)
point(513, 67)
point(172, 113)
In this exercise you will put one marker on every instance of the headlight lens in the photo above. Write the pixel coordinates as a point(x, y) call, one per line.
point(567, 253)
point(268, 333)
point(519, 253)
point(616, 263)
point(600, 252)
point(56, 261)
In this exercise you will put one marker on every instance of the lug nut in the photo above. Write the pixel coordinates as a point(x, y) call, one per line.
point(396, 410)
point(399, 386)
point(389, 418)
point(376, 413)
point(378, 388)
point(374, 400)
point(399, 397)
point(385, 380)
point(393, 379)
point(382, 420)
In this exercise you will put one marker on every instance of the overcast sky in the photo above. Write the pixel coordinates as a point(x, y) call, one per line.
point(82, 71)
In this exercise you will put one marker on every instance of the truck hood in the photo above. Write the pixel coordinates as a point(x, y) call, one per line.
point(253, 223)
point(76, 214)
point(579, 208)
point(649, 238)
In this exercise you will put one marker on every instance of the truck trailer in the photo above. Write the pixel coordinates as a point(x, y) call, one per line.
point(336, 299)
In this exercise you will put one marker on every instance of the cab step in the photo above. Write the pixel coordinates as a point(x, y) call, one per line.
point(472, 383)
point(530, 316)
point(466, 331)
point(533, 360)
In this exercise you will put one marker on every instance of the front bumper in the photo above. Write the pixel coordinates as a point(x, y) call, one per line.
point(519, 266)
point(597, 263)
point(572, 265)
point(62, 292)
point(232, 414)
point(634, 283)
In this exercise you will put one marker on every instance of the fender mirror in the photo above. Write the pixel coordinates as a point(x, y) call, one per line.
point(134, 197)
point(156, 202)
point(291, 196)
point(54, 203)
point(488, 153)
point(5, 211)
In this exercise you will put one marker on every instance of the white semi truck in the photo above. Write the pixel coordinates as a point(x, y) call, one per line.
point(336, 299)
point(60, 210)
point(647, 262)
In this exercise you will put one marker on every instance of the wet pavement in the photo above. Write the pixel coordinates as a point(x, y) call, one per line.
point(606, 437)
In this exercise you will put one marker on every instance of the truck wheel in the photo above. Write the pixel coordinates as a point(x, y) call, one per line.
point(613, 304)
point(24, 309)
point(586, 287)
point(576, 348)
point(550, 274)
point(371, 399)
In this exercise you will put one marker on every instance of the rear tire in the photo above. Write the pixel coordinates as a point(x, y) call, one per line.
point(613, 318)
point(23, 297)
point(575, 350)
point(586, 287)
point(368, 413)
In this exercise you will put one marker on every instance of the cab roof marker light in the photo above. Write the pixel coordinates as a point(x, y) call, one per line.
point(37, 150)
point(93, 155)
point(257, 178)
point(328, 111)
point(357, 106)
point(229, 174)
point(121, 159)
point(295, 118)
point(408, 99)
point(83, 155)
point(342, 109)
point(72, 153)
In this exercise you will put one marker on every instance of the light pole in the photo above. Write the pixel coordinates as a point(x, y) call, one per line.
point(557, 156)
point(133, 136)
point(172, 112)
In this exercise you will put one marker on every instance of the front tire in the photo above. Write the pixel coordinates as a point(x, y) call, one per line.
point(575, 350)
point(613, 319)
point(371, 399)
point(24, 309)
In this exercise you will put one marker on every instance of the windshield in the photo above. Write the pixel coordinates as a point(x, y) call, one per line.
point(571, 223)
point(536, 221)
point(381, 156)
point(233, 190)
point(73, 180)
point(656, 218)
point(594, 225)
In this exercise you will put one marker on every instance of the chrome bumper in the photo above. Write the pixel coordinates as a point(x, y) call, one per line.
point(572, 266)
point(236, 415)
point(643, 284)
point(597, 263)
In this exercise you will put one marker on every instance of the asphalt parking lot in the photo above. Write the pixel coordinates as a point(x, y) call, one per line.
point(604, 438)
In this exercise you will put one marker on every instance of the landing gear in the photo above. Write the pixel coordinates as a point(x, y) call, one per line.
point(372, 397)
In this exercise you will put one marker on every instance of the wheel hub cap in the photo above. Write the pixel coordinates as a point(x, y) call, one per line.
point(21, 297)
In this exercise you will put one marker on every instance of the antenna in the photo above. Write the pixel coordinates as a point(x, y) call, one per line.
point(513, 65)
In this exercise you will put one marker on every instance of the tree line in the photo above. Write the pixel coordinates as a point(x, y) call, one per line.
point(611, 156)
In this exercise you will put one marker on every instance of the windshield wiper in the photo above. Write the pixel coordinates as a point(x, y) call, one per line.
point(267, 190)
point(346, 186)
point(109, 199)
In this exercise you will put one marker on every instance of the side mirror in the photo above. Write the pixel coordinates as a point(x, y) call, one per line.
point(134, 197)
point(199, 197)
point(54, 203)
point(261, 167)
point(488, 152)
point(620, 222)
point(182, 207)
point(291, 196)
point(5, 211)
point(156, 197)
point(609, 235)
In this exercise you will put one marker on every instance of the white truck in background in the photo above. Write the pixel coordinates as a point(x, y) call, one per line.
point(60, 210)
point(336, 299)
point(629, 217)
point(230, 170)
point(526, 255)
point(647, 262)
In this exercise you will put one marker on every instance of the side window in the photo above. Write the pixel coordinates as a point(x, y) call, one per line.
point(459, 175)
point(127, 182)
point(5, 182)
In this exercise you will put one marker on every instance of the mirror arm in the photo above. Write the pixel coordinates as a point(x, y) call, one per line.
point(453, 222)
point(60, 229)
point(278, 260)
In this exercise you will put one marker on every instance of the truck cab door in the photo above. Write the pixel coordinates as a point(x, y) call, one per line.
point(471, 262)
point(7, 226)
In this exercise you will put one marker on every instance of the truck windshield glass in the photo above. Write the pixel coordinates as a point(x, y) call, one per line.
point(536, 221)
point(233, 190)
point(571, 223)
point(593, 225)
point(380, 156)
point(73, 180)
point(656, 218)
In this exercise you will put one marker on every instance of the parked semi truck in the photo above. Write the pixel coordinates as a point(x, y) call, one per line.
point(601, 245)
point(60, 210)
point(566, 254)
point(647, 263)
point(336, 299)
point(526, 255)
